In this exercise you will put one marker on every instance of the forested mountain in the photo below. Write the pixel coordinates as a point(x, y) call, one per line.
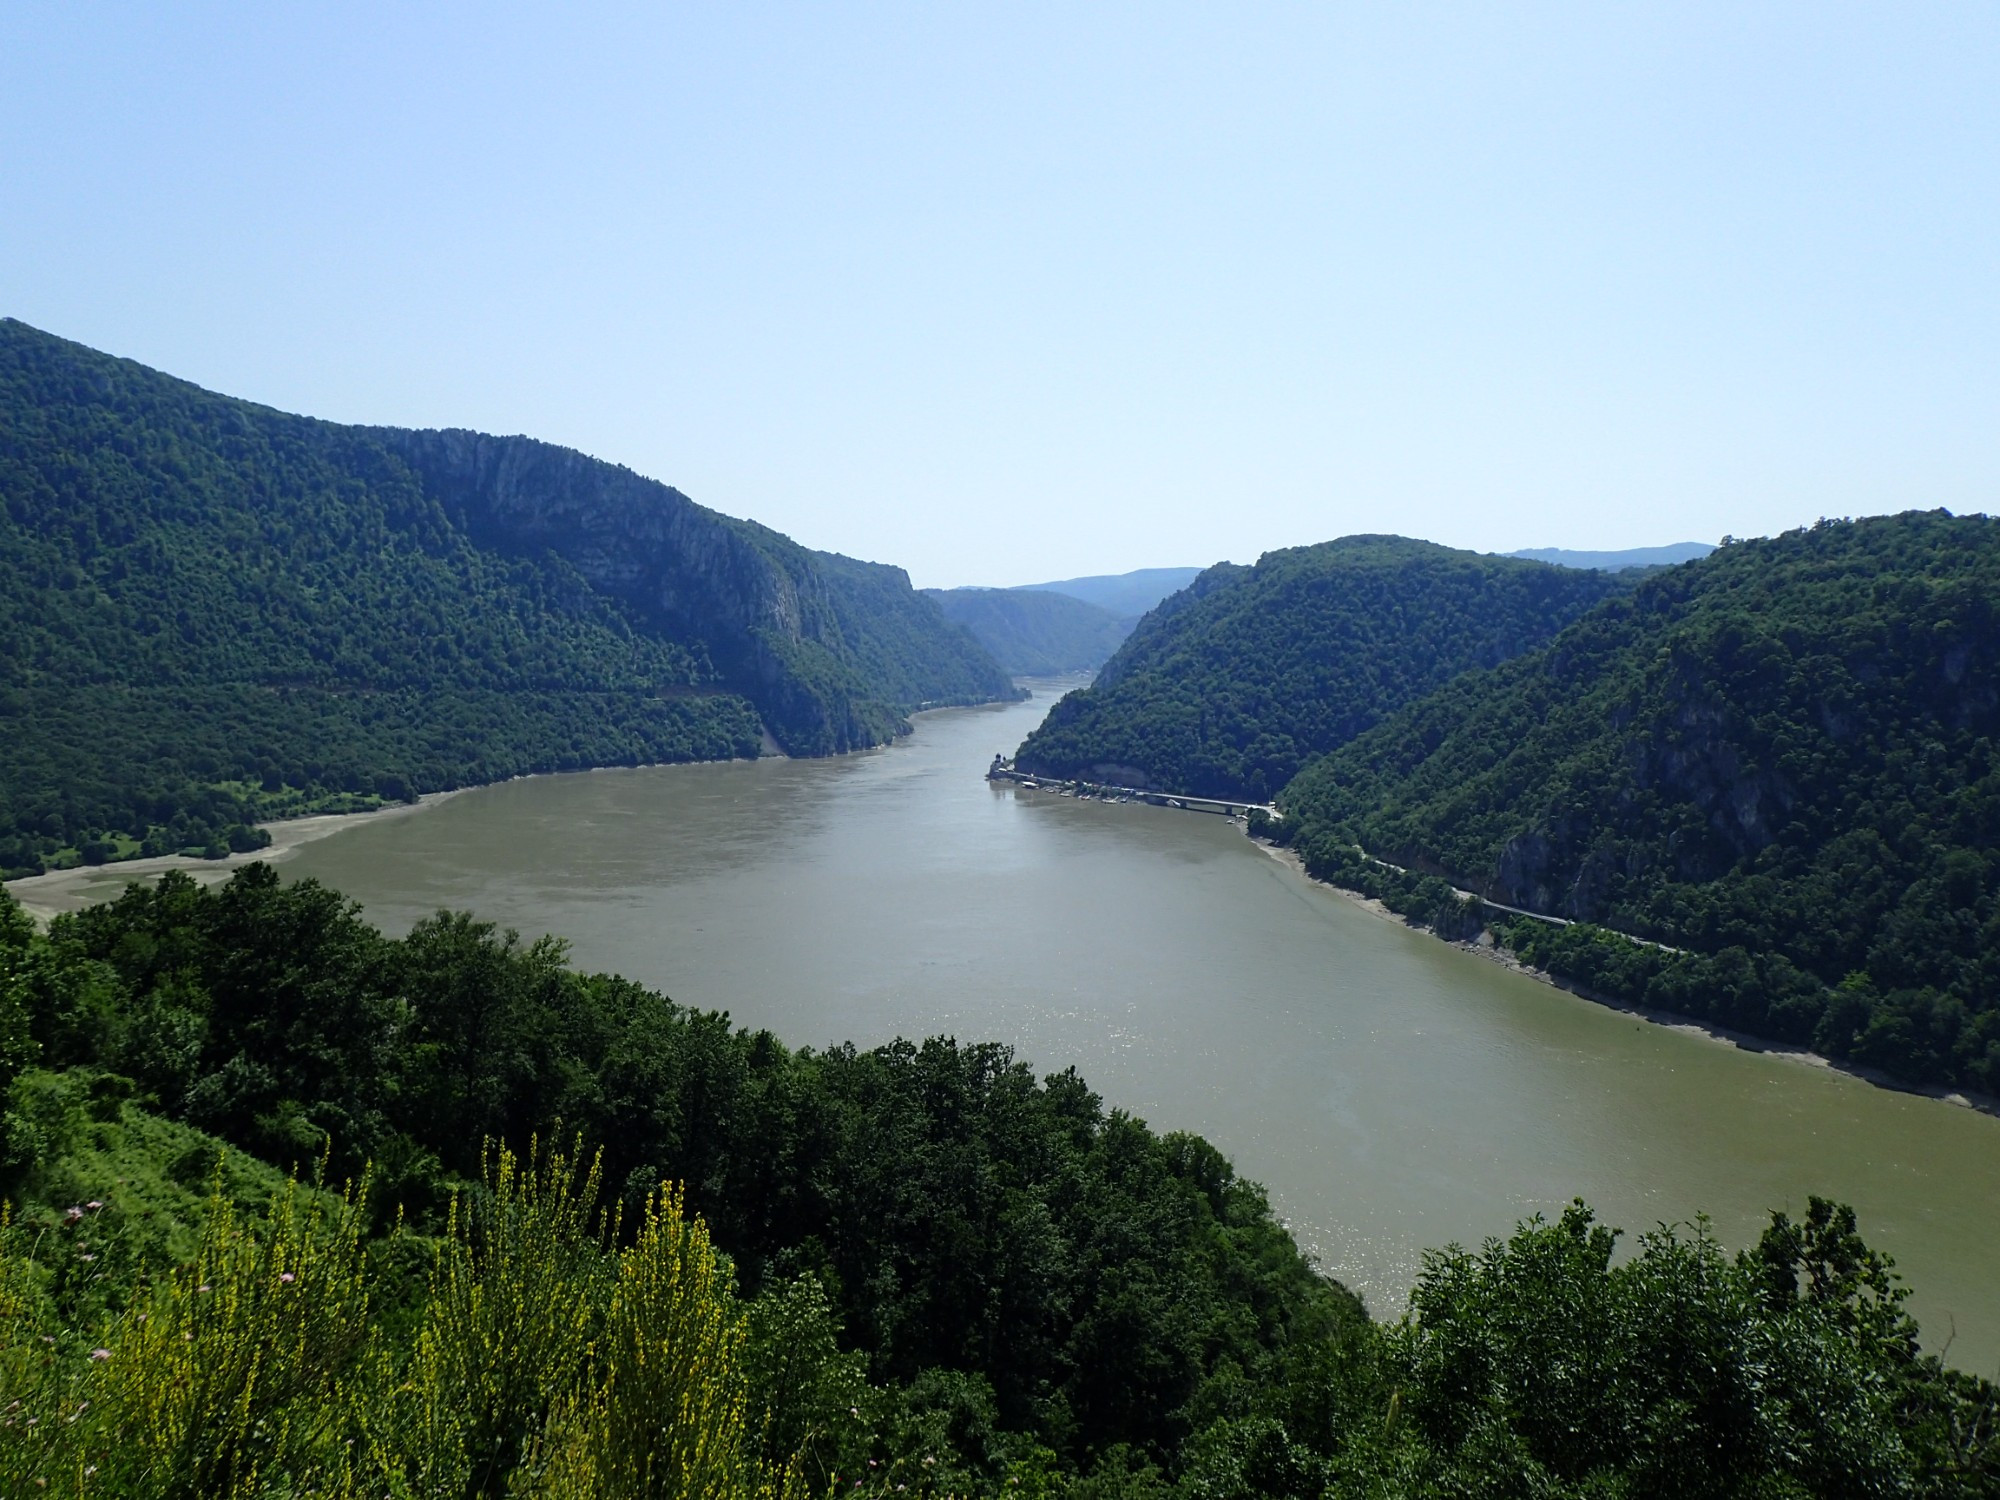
point(943, 1275)
point(1035, 632)
point(1231, 684)
point(212, 612)
point(1780, 758)
point(1124, 594)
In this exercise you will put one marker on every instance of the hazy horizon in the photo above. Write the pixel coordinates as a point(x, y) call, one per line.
point(1063, 292)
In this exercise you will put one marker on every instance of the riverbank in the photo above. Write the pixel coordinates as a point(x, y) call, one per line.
point(1484, 946)
point(58, 891)
point(1390, 1095)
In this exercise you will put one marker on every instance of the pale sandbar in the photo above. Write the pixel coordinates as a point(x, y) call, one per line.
point(59, 891)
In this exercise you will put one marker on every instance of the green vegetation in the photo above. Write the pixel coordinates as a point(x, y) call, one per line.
point(831, 650)
point(1033, 632)
point(213, 613)
point(121, 771)
point(896, 643)
point(1779, 759)
point(929, 1274)
point(265, 1363)
point(1003, 1248)
point(1231, 685)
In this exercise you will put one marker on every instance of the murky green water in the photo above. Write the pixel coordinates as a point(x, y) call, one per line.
point(1393, 1092)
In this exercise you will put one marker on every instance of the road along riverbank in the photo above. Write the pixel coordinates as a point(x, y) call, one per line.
point(1486, 948)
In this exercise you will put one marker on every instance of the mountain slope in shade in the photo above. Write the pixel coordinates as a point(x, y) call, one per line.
point(211, 612)
point(1230, 685)
point(1035, 632)
point(1779, 759)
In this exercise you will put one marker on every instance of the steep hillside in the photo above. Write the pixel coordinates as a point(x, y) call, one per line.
point(832, 651)
point(1230, 685)
point(1780, 758)
point(1034, 632)
point(212, 612)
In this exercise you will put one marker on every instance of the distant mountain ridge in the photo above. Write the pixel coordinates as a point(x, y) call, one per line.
point(1036, 632)
point(1233, 683)
point(1612, 562)
point(832, 650)
point(213, 612)
point(1125, 594)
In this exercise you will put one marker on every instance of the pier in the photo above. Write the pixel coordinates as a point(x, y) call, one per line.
point(1003, 769)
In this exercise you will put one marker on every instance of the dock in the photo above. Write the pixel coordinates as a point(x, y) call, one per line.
point(1003, 769)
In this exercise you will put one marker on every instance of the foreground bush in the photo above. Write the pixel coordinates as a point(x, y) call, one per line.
point(931, 1273)
point(544, 1363)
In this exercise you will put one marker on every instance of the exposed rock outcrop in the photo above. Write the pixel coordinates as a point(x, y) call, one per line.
point(833, 652)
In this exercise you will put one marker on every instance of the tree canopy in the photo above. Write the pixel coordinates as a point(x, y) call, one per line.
point(1229, 686)
point(608, 1246)
point(213, 613)
point(1778, 761)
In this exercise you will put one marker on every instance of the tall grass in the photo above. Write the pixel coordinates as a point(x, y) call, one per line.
point(231, 1375)
point(665, 1415)
point(546, 1361)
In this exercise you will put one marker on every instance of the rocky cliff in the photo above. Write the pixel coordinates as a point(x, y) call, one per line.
point(213, 613)
point(832, 651)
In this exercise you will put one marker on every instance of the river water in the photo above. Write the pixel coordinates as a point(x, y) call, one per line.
point(1392, 1091)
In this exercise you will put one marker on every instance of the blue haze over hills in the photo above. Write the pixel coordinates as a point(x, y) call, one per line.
point(1122, 593)
point(1075, 624)
point(1138, 591)
point(1612, 562)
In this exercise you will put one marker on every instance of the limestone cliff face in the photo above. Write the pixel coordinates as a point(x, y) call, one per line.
point(1698, 755)
point(1744, 716)
point(833, 652)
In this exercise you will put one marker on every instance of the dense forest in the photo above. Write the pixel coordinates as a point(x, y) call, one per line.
point(599, 1245)
point(1231, 685)
point(212, 613)
point(1035, 632)
point(1778, 762)
point(556, 1235)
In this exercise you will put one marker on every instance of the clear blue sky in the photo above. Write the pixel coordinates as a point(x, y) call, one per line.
point(1012, 292)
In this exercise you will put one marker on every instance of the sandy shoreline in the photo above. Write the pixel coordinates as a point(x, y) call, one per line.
point(59, 891)
point(1742, 1041)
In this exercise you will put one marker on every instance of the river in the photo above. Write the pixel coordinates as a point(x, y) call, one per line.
point(1392, 1091)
